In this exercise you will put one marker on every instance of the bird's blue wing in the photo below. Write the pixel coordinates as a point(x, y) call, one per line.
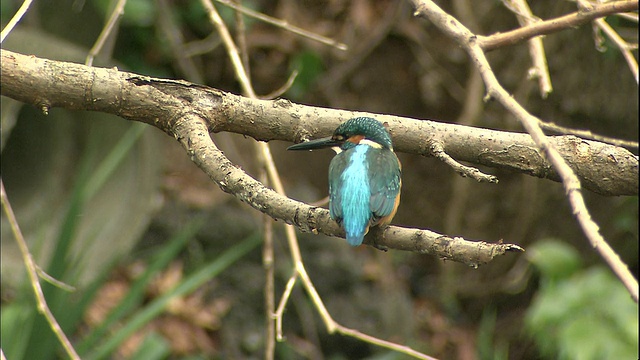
point(385, 183)
point(337, 166)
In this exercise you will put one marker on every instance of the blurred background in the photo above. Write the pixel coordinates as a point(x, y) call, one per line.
point(167, 266)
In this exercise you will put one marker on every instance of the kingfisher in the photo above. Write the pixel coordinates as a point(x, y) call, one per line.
point(364, 176)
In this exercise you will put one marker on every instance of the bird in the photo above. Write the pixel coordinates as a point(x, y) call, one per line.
point(364, 176)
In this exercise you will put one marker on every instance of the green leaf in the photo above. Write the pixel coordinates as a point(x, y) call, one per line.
point(487, 347)
point(153, 347)
point(136, 12)
point(16, 319)
point(309, 66)
point(589, 315)
point(554, 259)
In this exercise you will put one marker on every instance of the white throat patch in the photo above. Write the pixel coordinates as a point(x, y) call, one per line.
point(373, 144)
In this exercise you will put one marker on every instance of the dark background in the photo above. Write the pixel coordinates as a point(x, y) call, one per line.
point(396, 64)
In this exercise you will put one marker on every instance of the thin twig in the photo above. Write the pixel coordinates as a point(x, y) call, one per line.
point(488, 43)
point(625, 48)
point(232, 50)
point(383, 343)
point(466, 171)
point(540, 70)
point(283, 24)
point(465, 38)
point(53, 281)
point(15, 19)
point(628, 16)
point(118, 11)
point(168, 26)
point(282, 89)
point(587, 134)
point(269, 283)
point(202, 46)
point(241, 36)
point(43, 308)
point(282, 304)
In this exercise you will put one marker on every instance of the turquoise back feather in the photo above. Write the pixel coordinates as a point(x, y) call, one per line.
point(363, 185)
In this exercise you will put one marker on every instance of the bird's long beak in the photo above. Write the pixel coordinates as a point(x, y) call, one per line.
point(315, 144)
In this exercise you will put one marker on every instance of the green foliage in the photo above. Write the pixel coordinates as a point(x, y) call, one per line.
point(68, 308)
point(25, 333)
point(153, 347)
point(7, 10)
point(554, 259)
point(17, 318)
point(162, 257)
point(309, 66)
point(486, 348)
point(228, 14)
point(128, 316)
point(626, 216)
point(580, 314)
point(136, 12)
point(187, 285)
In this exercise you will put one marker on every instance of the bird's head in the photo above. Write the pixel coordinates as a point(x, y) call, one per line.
point(359, 130)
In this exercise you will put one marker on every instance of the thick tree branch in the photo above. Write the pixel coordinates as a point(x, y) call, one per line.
point(601, 168)
point(193, 134)
point(181, 110)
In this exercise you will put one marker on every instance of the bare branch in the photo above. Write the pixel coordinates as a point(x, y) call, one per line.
point(15, 19)
point(587, 134)
point(465, 38)
point(570, 21)
point(176, 43)
point(184, 117)
point(264, 153)
point(540, 70)
point(285, 25)
point(438, 151)
point(602, 168)
point(118, 11)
